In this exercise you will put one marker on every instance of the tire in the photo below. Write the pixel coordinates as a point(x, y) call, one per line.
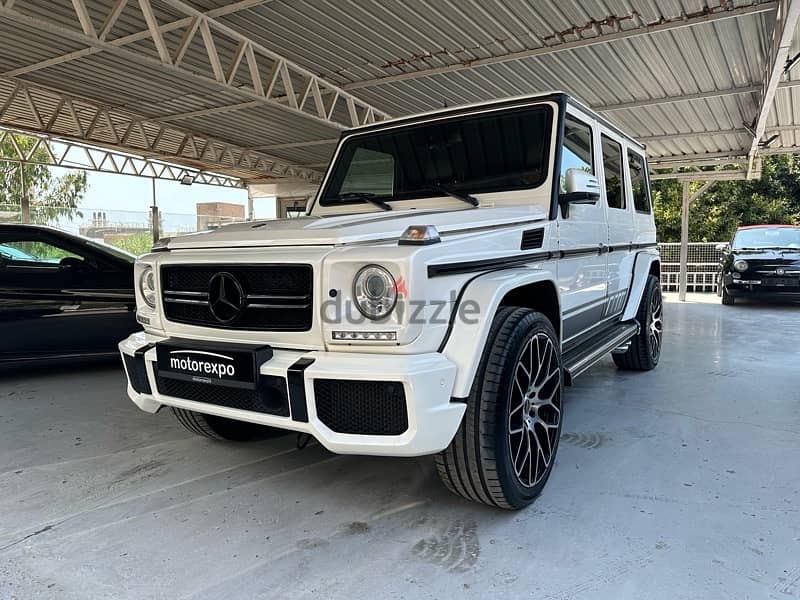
point(220, 428)
point(483, 462)
point(727, 299)
point(645, 348)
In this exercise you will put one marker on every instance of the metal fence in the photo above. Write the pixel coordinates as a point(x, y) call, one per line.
point(701, 267)
point(132, 231)
point(127, 229)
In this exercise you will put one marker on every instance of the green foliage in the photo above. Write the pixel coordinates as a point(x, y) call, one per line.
point(775, 198)
point(135, 243)
point(51, 198)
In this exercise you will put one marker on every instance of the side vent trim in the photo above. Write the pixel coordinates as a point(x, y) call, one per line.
point(532, 239)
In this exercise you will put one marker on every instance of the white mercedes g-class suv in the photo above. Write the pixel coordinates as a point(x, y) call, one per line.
point(455, 270)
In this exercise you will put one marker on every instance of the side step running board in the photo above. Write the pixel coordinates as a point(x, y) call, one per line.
point(584, 356)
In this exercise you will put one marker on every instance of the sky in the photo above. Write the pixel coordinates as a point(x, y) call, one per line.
point(127, 199)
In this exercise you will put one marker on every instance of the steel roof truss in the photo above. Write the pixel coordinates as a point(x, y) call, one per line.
point(80, 120)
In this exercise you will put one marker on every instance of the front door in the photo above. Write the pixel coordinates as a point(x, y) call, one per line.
point(582, 236)
point(59, 299)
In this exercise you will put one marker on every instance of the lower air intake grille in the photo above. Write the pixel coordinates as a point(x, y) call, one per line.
point(361, 407)
point(270, 397)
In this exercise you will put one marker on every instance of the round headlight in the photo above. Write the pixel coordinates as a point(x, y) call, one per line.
point(375, 292)
point(147, 286)
point(740, 265)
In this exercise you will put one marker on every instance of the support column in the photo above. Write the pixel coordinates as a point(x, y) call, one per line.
point(24, 200)
point(682, 281)
point(290, 206)
point(685, 206)
point(155, 219)
point(251, 216)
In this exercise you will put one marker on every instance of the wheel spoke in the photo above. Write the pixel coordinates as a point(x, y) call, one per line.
point(524, 370)
point(545, 459)
point(529, 460)
point(520, 388)
point(540, 354)
point(554, 377)
point(544, 364)
point(530, 358)
point(519, 448)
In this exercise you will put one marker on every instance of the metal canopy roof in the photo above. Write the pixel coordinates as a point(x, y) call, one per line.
point(260, 89)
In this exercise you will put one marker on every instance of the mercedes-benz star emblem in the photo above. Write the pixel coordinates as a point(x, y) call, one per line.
point(225, 298)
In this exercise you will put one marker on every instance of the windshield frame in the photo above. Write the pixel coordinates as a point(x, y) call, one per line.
point(734, 245)
point(550, 105)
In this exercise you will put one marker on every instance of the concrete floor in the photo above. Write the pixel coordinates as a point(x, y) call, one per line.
point(678, 483)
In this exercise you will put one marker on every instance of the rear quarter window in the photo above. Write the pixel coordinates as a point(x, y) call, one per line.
point(640, 186)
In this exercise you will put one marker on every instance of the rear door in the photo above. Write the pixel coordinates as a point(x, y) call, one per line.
point(620, 222)
point(582, 270)
point(644, 229)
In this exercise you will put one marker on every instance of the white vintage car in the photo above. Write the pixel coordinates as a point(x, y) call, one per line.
point(455, 270)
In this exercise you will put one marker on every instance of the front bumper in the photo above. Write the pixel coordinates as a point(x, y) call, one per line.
point(427, 380)
point(760, 289)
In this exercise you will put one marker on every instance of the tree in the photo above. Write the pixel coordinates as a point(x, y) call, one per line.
point(775, 198)
point(50, 197)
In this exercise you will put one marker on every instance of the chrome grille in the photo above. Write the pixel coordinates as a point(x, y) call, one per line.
point(274, 297)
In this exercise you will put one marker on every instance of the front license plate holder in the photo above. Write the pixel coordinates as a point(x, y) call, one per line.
point(231, 365)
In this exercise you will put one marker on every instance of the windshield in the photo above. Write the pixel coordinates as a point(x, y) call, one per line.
point(502, 151)
point(767, 237)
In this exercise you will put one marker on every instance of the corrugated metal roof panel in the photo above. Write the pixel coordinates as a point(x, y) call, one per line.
point(351, 42)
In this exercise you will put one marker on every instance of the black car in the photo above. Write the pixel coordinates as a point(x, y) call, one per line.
point(62, 296)
point(762, 261)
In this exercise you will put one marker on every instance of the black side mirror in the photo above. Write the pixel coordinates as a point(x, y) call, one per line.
point(70, 263)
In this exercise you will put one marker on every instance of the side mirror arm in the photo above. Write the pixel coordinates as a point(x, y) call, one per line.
point(564, 200)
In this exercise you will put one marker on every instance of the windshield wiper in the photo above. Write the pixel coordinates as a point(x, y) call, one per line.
point(463, 196)
point(367, 197)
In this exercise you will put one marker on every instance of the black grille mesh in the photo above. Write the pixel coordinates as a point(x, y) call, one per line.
point(290, 284)
point(532, 238)
point(137, 374)
point(361, 407)
point(270, 397)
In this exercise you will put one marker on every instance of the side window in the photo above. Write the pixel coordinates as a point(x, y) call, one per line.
point(639, 184)
point(370, 172)
point(34, 253)
point(612, 167)
point(577, 149)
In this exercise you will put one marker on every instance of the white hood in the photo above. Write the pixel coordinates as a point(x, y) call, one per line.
point(374, 227)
